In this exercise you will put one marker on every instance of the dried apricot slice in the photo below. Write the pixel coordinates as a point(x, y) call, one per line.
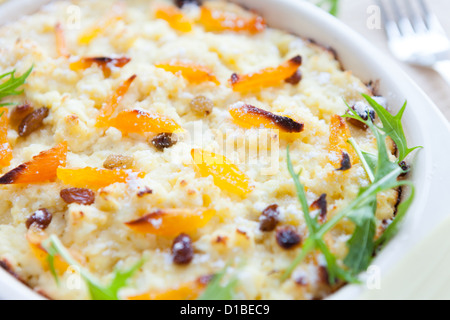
point(219, 20)
point(226, 175)
point(110, 106)
point(116, 14)
point(95, 178)
point(338, 146)
point(172, 222)
point(249, 116)
point(187, 291)
point(5, 148)
point(104, 63)
point(60, 39)
point(42, 168)
point(141, 122)
point(268, 77)
point(195, 73)
point(174, 17)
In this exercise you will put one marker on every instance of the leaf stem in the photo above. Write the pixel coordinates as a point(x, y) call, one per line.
point(363, 160)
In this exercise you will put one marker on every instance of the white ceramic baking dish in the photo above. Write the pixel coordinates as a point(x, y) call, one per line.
point(424, 123)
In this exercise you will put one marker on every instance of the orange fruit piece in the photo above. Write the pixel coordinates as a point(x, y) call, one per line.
point(339, 135)
point(268, 77)
point(5, 148)
point(141, 122)
point(172, 222)
point(42, 168)
point(60, 38)
point(95, 178)
point(217, 20)
point(249, 116)
point(226, 175)
point(187, 291)
point(102, 25)
point(174, 17)
point(194, 73)
point(104, 63)
point(110, 106)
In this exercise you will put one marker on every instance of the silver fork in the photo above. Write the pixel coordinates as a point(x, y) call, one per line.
point(415, 35)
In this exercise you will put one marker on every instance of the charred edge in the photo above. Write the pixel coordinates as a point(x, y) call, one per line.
point(284, 123)
point(13, 175)
point(146, 219)
point(295, 78)
point(321, 204)
point(144, 192)
point(297, 60)
point(331, 50)
point(234, 78)
point(374, 87)
point(346, 163)
point(5, 265)
point(131, 79)
point(399, 199)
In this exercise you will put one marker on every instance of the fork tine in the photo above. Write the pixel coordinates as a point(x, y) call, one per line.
point(403, 22)
point(390, 25)
point(431, 20)
point(417, 14)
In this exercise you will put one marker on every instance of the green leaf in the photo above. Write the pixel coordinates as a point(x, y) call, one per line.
point(217, 291)
point(10, 86)
point(97, 291)
point(392, 126)
point(331, 6)
point(361, 245)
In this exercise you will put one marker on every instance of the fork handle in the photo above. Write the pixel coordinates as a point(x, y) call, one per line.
point(443, 68)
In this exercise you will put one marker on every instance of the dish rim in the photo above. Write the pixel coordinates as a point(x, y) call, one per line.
point(423, 122)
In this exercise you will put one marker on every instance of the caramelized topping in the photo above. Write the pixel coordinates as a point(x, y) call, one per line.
point(40, 219)
point(269, 218)
point(104, 63)
point(33, 121)
point(288, 237)
point(79, 196)
point(174, 17)
point(42, 168)
point(202, 105)
point(321, 204)
point(117, 161)
point(269, 77)
point(341, 151)
point(295, 78)
point(182, 250)
point(5, 148)
point(346, 163)
point(250, 116)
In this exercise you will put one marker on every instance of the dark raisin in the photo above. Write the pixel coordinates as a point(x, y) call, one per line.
point(182, 249)
point(118, 162)
point(365, 112)
point(288, 237)
point(346, 163)
point(181, 3)
point(295, 78)
point(33, 122)
point(321, 204)
point(163, 141)
point(405, 167)
point(19, 113)
point(269, 218)
point(76, 195)
point(40, 219)
point(144, 192)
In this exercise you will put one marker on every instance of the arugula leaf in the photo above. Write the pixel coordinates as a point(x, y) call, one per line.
point(97, 291)
point(392, 126)
point(331, 6)
point(10, 86)
point(215, 291)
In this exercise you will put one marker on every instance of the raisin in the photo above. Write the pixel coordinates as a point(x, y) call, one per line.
point(182, 249)
point(295, 78)
point(118, 162)
point(365, 112)
point(346, 163)
point(269, 218)
point(40, 219)
point(19, 113)
point(33, 121)
point(76, 195)
point(181, 3)
point(202, 105)
point(163, 141)
point(321, 204)
point(288, 237)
